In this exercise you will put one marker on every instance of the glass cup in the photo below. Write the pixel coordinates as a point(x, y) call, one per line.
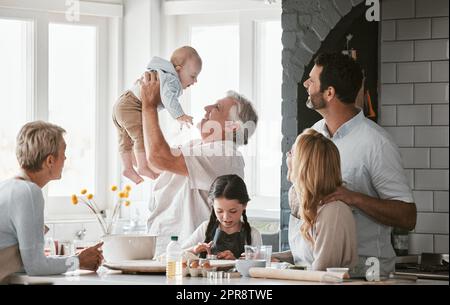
point(263, 252)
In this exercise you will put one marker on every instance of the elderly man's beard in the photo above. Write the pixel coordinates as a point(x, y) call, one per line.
point(316, 101)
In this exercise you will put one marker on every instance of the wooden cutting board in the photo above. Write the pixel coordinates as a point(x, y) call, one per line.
point(157, 267)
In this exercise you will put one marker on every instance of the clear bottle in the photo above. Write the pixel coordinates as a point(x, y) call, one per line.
point(400, 241)
point(174, 259)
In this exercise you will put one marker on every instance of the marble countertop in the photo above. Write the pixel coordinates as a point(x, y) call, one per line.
point(105, 276)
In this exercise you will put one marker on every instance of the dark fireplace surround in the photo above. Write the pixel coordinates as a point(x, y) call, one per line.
point(311, 27)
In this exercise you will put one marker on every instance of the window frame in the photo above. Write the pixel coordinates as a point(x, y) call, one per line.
point(37, 104)
point(247, 20)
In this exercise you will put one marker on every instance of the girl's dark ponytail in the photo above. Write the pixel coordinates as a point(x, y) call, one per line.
point(210, 228)
point(248, 229)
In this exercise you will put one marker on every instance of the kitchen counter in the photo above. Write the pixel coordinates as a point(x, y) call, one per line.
point(105, 276)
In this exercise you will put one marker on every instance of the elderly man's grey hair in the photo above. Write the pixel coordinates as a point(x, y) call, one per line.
point(245, 114)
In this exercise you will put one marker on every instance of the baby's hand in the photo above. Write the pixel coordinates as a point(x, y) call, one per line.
point(186, 120)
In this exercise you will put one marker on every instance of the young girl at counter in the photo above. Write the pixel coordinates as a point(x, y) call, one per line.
point(227, 230)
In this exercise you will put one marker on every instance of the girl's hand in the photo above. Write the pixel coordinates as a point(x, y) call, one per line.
point(202, 247)
point(227, 254)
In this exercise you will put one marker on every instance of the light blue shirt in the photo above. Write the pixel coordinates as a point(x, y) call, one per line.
point(371, 164)
point(22, 223)
point(170, 86)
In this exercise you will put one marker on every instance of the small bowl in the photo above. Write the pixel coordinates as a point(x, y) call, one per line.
point(243, 265)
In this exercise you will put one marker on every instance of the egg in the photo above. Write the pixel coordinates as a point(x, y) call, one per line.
point(206, 265)
point(194, 264)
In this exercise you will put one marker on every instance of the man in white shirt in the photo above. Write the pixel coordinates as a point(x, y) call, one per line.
point(179, 201)
point(375, 184)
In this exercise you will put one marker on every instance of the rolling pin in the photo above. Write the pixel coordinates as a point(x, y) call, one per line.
point(297, 275)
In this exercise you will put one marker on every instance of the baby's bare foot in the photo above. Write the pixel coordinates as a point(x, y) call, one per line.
point(131, 174)
point(147, 172)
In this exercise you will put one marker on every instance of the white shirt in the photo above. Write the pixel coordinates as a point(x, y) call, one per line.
point(22, 223)
point(199, 236)
point(371, 164)
point(179, 204)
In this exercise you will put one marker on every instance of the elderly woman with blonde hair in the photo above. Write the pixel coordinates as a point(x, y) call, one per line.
point(320, 236)
point(40, 151)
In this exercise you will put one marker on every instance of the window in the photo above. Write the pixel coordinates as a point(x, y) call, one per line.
point(58, 77)
point(15, 85)
point(242, 51)
point(219, 48)
point(268, 95)
point(72, 102)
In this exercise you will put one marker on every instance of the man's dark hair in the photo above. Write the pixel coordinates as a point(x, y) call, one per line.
point(342, 73)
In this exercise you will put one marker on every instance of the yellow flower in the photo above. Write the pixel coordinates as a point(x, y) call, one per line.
point(90, 196)
point(83, 191)
point(74, 199)
point(113, 188)
point(127, 203)
point(128, 188)
point(122, 195)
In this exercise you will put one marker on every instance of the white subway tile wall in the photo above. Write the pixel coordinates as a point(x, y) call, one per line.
point(414, 29)
point(432, 223)
point(414, 72)
point(388, 115)
point(430, 93)
point(419, 243)
point(439, 115)
point(389, 73)
point(439, 157)
point(393, 94)
point(441, 203)
point(415, 157)
point(423, 200)
point(397, 9)
point(414, 108)
point(439, 27)
point(414, 115)
point(435, 8)
point(436, 49)
point(441, 244)
point(440, 70)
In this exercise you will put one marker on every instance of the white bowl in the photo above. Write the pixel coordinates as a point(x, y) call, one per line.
point(243, 265)
point(119, 247)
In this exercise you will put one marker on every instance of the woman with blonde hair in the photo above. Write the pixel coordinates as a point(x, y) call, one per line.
point(320, 236)
point(40, 151)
